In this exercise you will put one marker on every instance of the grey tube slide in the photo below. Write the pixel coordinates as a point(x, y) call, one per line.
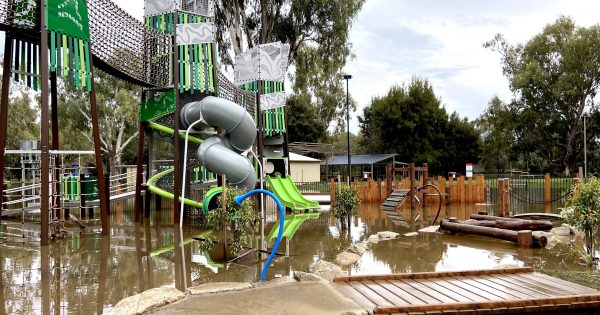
point(221, 153)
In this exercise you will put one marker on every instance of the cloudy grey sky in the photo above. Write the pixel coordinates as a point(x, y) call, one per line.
point(442, 41)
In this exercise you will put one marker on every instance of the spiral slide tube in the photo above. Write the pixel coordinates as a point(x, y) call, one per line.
point(222, 153)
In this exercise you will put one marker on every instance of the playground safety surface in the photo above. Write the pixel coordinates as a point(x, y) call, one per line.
point(286, 298)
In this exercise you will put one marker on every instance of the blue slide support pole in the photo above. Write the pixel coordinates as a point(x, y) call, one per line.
point(239, 200)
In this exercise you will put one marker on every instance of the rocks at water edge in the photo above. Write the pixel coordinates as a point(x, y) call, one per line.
point(387, 235)
point(345, 259)
point(430, 229)
point(327, 270)
point(307, 277)
point(359, 248)
point(146, 301)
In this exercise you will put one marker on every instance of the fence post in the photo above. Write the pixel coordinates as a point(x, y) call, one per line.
point(461, 187)
point(548, 191)
point(332, 190)
point(507, 196)
point(425, 182)
point(3, 199)
point(388, 179)
point(501, 197)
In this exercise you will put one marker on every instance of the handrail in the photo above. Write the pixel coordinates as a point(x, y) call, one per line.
point(166, 194)
point(21, 188)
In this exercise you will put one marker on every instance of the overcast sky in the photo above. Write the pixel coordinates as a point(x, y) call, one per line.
point(442, 41)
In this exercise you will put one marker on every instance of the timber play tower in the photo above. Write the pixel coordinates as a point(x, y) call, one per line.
point(228, 128)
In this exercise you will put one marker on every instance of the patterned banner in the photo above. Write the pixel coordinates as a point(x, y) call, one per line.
point(264, 62)
point(155, 7)
point(273, 61)
point(273, 100)
point(201, 7)
point(195, 33)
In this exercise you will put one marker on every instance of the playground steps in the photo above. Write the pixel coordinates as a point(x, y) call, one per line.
point(395, 199)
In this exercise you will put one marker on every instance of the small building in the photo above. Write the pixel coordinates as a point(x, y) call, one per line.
point(304, 169)
point(363, 165)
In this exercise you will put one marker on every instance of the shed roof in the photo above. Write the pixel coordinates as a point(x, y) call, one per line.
point(302, 158)
point(359, 159)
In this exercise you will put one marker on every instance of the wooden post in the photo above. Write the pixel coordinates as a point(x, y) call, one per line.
point(412, 187)
point(332, 190)
point(501, 197)
point(45, 158)
point(548, 191)
point(388, 179)
point(379, 195)
point(102, 185)
point(139, 169)
point(461, 187)
point(425, 182)
point(55, 146)
point(507, 197)
point(8, 43)
point(525, 238)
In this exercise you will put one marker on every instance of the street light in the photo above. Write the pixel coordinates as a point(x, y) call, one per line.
point(584, 148)
point(347, 77)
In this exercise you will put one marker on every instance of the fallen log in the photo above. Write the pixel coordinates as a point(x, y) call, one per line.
point(487, 217)
point(507, 235)
point(515, 225)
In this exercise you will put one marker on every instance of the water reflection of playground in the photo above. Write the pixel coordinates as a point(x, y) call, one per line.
point(88, 274)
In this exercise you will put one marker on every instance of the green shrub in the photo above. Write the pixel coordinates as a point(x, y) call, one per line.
point(241, 221)
point(583, 210)
point(346, 203)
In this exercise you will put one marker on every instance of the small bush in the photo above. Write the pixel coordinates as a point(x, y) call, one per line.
point(346, 202)
point(584, 210)
point(242, 219)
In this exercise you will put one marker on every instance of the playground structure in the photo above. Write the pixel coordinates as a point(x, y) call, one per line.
point(171, 55)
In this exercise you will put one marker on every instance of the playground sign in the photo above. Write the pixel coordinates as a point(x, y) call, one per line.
point(69, 17)
point(469, 170)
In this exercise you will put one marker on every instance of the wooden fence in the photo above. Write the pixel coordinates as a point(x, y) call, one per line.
point(460, 190)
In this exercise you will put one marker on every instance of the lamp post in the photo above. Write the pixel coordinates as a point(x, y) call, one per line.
point(584, 148)
point(347, 77)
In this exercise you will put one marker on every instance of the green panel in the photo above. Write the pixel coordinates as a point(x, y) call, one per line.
point(69, 17)
point(90, 188)
point(156, 107)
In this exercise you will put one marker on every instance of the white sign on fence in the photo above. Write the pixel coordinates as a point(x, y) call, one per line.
point(469, 170)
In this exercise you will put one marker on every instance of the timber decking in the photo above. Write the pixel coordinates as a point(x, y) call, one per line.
point(395, 200)
point(496, 291)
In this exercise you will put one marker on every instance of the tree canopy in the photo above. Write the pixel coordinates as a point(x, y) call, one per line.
point(555, 78)
point(317, 32)
point(411, 122)
point(117, 103)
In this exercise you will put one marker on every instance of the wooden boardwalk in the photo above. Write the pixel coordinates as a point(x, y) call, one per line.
point(496, 291)
point(396, 199)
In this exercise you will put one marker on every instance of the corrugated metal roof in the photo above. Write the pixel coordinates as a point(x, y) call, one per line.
point(359, 159)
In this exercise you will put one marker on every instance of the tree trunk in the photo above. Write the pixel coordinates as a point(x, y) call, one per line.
point(569, 158)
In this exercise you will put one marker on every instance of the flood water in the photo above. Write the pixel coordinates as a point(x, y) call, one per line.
point(88, 274)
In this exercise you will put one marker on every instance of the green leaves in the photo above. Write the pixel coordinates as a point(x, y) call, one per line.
point(411, 122)
point(555, 77)
point(241, 218)
point(346, 202)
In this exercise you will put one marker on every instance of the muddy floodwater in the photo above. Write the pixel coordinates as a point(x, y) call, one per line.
point(87, 274)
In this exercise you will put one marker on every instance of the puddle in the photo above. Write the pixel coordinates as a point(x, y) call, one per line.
point(88, 274)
